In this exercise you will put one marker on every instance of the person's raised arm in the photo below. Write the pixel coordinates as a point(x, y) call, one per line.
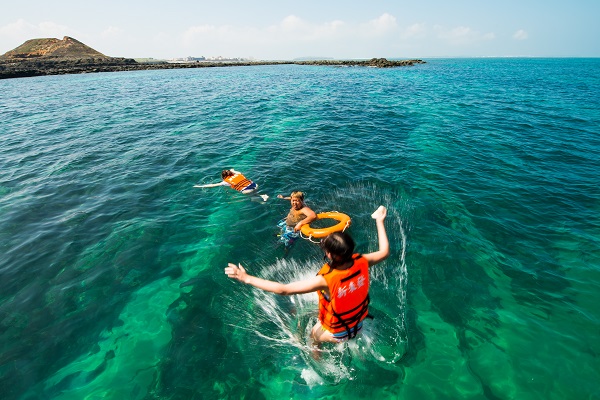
point(306, 286)
point(384, 245)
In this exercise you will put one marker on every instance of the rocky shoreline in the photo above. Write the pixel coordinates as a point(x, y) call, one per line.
point(12, 68)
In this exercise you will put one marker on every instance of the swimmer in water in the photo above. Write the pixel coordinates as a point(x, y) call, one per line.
point(299, 215)
point(235, 180)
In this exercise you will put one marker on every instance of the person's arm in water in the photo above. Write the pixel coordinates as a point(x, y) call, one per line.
point(310, 217)
point(384, 245)
point(222, 183)
point(280, 196)
point(299, 287)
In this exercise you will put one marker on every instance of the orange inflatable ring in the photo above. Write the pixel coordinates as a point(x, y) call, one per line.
point(343, 223)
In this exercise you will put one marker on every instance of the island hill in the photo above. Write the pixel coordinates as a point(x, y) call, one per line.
point(51, 56)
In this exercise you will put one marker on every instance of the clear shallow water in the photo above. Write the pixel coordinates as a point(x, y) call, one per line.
point(111, 279)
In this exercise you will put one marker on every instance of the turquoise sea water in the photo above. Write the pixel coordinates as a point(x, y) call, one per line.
point(111, 267)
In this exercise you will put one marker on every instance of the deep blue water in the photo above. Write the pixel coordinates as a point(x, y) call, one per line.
point(111, 275)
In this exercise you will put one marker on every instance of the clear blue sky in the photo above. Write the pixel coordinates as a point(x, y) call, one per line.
point(284, 29)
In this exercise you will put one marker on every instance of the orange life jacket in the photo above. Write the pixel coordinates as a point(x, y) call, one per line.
point(238, 182)
point(349, 302)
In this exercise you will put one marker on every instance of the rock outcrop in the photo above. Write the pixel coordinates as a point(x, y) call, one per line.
point(50, 56)
point(374, 62)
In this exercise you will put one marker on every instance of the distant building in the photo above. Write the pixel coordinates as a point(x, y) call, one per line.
point(190, 59)
point(187, 59)
point(221, 58)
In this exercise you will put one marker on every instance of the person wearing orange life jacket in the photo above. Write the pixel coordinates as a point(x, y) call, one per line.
point(344, 307)
point(342, 284)
point(236, 180)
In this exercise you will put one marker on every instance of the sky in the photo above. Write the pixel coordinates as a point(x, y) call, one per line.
point(287, 30)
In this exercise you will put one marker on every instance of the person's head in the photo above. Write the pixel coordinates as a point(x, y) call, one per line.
point(297, 199)
point(226, 173)
point(339, 246)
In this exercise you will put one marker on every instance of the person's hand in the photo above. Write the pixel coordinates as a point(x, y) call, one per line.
point(298, 226)
point(236, 272)
point(279, 196)
point(379, 214)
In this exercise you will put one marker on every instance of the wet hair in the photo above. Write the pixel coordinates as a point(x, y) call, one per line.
point(298, 194)
point(340, 245)
point(226, 173)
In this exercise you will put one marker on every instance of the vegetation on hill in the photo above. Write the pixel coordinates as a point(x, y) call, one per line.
point(67, 48)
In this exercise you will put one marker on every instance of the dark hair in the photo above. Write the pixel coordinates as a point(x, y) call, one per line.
point(340, 245)
point(226, 173)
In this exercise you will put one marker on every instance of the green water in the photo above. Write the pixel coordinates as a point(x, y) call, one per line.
point(112, 282)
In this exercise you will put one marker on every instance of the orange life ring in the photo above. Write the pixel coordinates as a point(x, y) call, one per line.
point(343, 223)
